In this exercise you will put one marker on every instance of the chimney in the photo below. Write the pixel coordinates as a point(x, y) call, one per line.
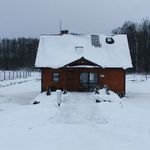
point(64, 32)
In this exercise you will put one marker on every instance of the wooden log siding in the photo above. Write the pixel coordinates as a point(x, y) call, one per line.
point(70, 78)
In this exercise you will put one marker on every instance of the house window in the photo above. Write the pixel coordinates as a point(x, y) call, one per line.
point(56, 77)
point(95, 40)
point(88, 78)
point(79, 49)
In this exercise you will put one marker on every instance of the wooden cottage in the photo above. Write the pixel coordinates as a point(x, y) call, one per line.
point(78, 62)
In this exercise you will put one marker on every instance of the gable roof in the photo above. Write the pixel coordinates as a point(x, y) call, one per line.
point(55, 51)
point(82, 62)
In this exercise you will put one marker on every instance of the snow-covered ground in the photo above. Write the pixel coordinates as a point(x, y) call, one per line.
point(78, 124)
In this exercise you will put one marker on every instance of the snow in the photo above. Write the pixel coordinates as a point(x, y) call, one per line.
point(24, 89)
point(83, 66)
point(63, 48)
point(79, 123)
point(5, 83)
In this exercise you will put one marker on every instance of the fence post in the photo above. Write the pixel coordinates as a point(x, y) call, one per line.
point(20, 74)
point(13, 74)
point(4, 75)
point(9, 75)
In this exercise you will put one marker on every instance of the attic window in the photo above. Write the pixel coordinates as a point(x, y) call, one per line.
point(110, 40)
point(79, 49)
point(95, 40)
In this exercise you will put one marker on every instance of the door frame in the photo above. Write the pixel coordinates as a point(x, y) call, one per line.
point(88, 85)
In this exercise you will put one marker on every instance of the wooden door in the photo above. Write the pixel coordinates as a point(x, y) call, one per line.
point(88, 80)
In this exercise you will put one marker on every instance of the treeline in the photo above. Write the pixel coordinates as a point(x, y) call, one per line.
point(18, 53)
point(21, 53)
point(139, 43)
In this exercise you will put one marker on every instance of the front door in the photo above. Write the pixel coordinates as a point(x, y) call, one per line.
point(88, 80)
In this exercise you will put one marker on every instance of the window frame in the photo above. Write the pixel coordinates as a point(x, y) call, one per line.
point(55, 77)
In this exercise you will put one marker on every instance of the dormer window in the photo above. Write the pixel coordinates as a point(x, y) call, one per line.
point(110, 40)
point(79, 49)
point(95, 40)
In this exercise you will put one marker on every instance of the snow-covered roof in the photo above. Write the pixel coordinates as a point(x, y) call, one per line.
point(56, 51)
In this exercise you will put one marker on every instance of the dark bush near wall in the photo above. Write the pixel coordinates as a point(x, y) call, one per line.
point(18, 53)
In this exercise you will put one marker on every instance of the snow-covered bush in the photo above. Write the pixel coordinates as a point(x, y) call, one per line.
point(96, 91)
point(104, 97)
point(64, 91)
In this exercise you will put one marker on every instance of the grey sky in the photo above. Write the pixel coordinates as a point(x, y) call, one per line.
point(30, 18)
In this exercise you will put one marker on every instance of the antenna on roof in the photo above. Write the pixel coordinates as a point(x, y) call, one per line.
point(60, 24)
point(62, 31)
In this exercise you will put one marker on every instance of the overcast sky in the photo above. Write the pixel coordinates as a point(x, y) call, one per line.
point(30, 18)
